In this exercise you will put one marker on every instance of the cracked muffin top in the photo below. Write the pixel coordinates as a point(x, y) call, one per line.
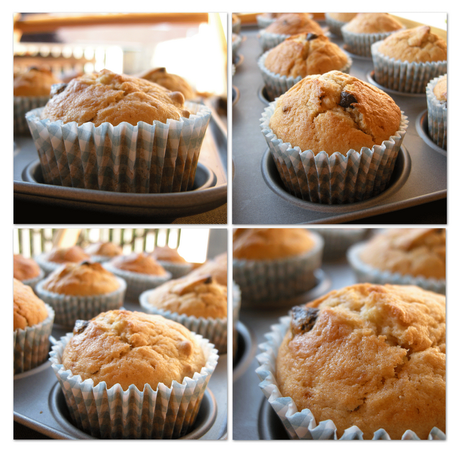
point(373, 23)
point(293, 24)
point(73, 254)
point(342, 17)
point(124, 347)
point(216, 268)
point(417, 45)
point(25, 268)
point(167, 254)
point(195, 295)
point(334, 112)
point(138, 262)
point(106, 97)
point(371, 356)
point(28, 309)
point(408, 251)
point(34, 82)
point(305, 54)
point(270, 243)
point(81, 279)
point(172, 82)
point(440, 89)
point(104, 249)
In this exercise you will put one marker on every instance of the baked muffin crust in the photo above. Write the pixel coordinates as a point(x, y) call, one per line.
point(172, 82)
point(73, 254)
point(342, 17)
point(334, 112)
point(108, 97)
point(107, 249)
point(28, 309)
point(25, 268)
point(373, 23)
point(167, 254)
point(293, 24)
point(217, 268)
point(138, 262)
point(34, 82)
point(371, 356)
point(440, 89)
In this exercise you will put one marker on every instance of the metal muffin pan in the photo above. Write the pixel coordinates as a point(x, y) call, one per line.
point(39, 403)
point(255, 201)
point(210, 189)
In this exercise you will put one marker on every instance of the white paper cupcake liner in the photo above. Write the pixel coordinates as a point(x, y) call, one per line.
point(146, 158)
point(261, 280)
point(338, 240)
point(31, 345)
point(437, 116)
point(22, 105)
point(69, 309)
point(269, 40)
point(161, 413)
point(338, 178)
point(32, 282)
point(360, 43)
point(176, 270)
point(276, 84)
point(263, 22)
point(367, 274)
point(236, 44)
point(334, 25)
point(137, 283)
point(215, 330)
point(302, 425)
point(236, 26)
point(45, 265)
point(403, 76)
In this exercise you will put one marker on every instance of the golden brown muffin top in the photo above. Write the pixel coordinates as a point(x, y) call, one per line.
point(216, 267)
point(74, 254)
point(34, 82)
point(195, 295)
point(81, 279)
point(28, 309)
point(106, 97)
point(417, 45)
point(371, 356)
point(25, 268)
point(167, 254)
point(172, 82)
point(271, 15)
point(138, 262)
point(373, 23)
point(294, 24)
point(440, 89)
point(334, 112)
point(108, 249)
point(270, 243)
point(342, 17)
point(235, 18)
point(408, 251)
point(305, 54)
point(124, 347)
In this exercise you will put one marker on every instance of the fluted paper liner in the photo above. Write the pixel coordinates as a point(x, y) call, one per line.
point(176, 270)
point(437, 116)
point(22, 105)
point(338, 240)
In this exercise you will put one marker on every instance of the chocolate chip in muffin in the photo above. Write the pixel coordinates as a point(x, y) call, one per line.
point(80, 326)
point(347, 99)
point(311, 36)
point(57, 88)
point(303, 319)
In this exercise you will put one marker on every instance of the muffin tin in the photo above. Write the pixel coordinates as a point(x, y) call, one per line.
point(210, 189)
point(421, 174)
point(39, 403)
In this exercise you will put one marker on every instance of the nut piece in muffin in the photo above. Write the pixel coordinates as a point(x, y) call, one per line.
point(418, 45)
point(132, 348)
point(197, 295)
point(270, 243)
point(106, 97)
point(373, 23)
point(172, 82)
point(217, 268)
point(371, 356)
point(106, 249)
point(408, 251)
point(334, 112)
point(74, 254)
point(294, 24)
point(81, 279)
point(25, 268)
point(305, 54)
point(28, 309)
point(167, 253)
point(440, 89)
point(140, 263)
point(34, 82)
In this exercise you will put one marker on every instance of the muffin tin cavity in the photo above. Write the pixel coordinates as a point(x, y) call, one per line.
point(246, 347)
point(421, 125)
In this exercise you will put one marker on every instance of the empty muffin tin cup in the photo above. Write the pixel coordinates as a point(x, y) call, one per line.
point(302, 424)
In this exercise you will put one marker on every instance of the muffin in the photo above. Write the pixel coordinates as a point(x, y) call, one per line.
point(287, 25)
point(236, 44)
point(236, 24)
point(236, 303)
point(50, 261)
point(172, 82)
point(31, 90)
point(197, 302)
point(407, 60)
point(32, 324)
point(297, 57)
point(266, 19)
point(335, 21)
point(275, 263)
point(365, 29)
point(170, 259)
point(152, 371)
point(103, 251)
point(122, 134)
point(369, 359)
point(81, 291)
point(140, 271)
point(27, 270)
point(217, 268)
point(436, 98)
point(415, 256)
point(339, 127)
point(338, 240)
